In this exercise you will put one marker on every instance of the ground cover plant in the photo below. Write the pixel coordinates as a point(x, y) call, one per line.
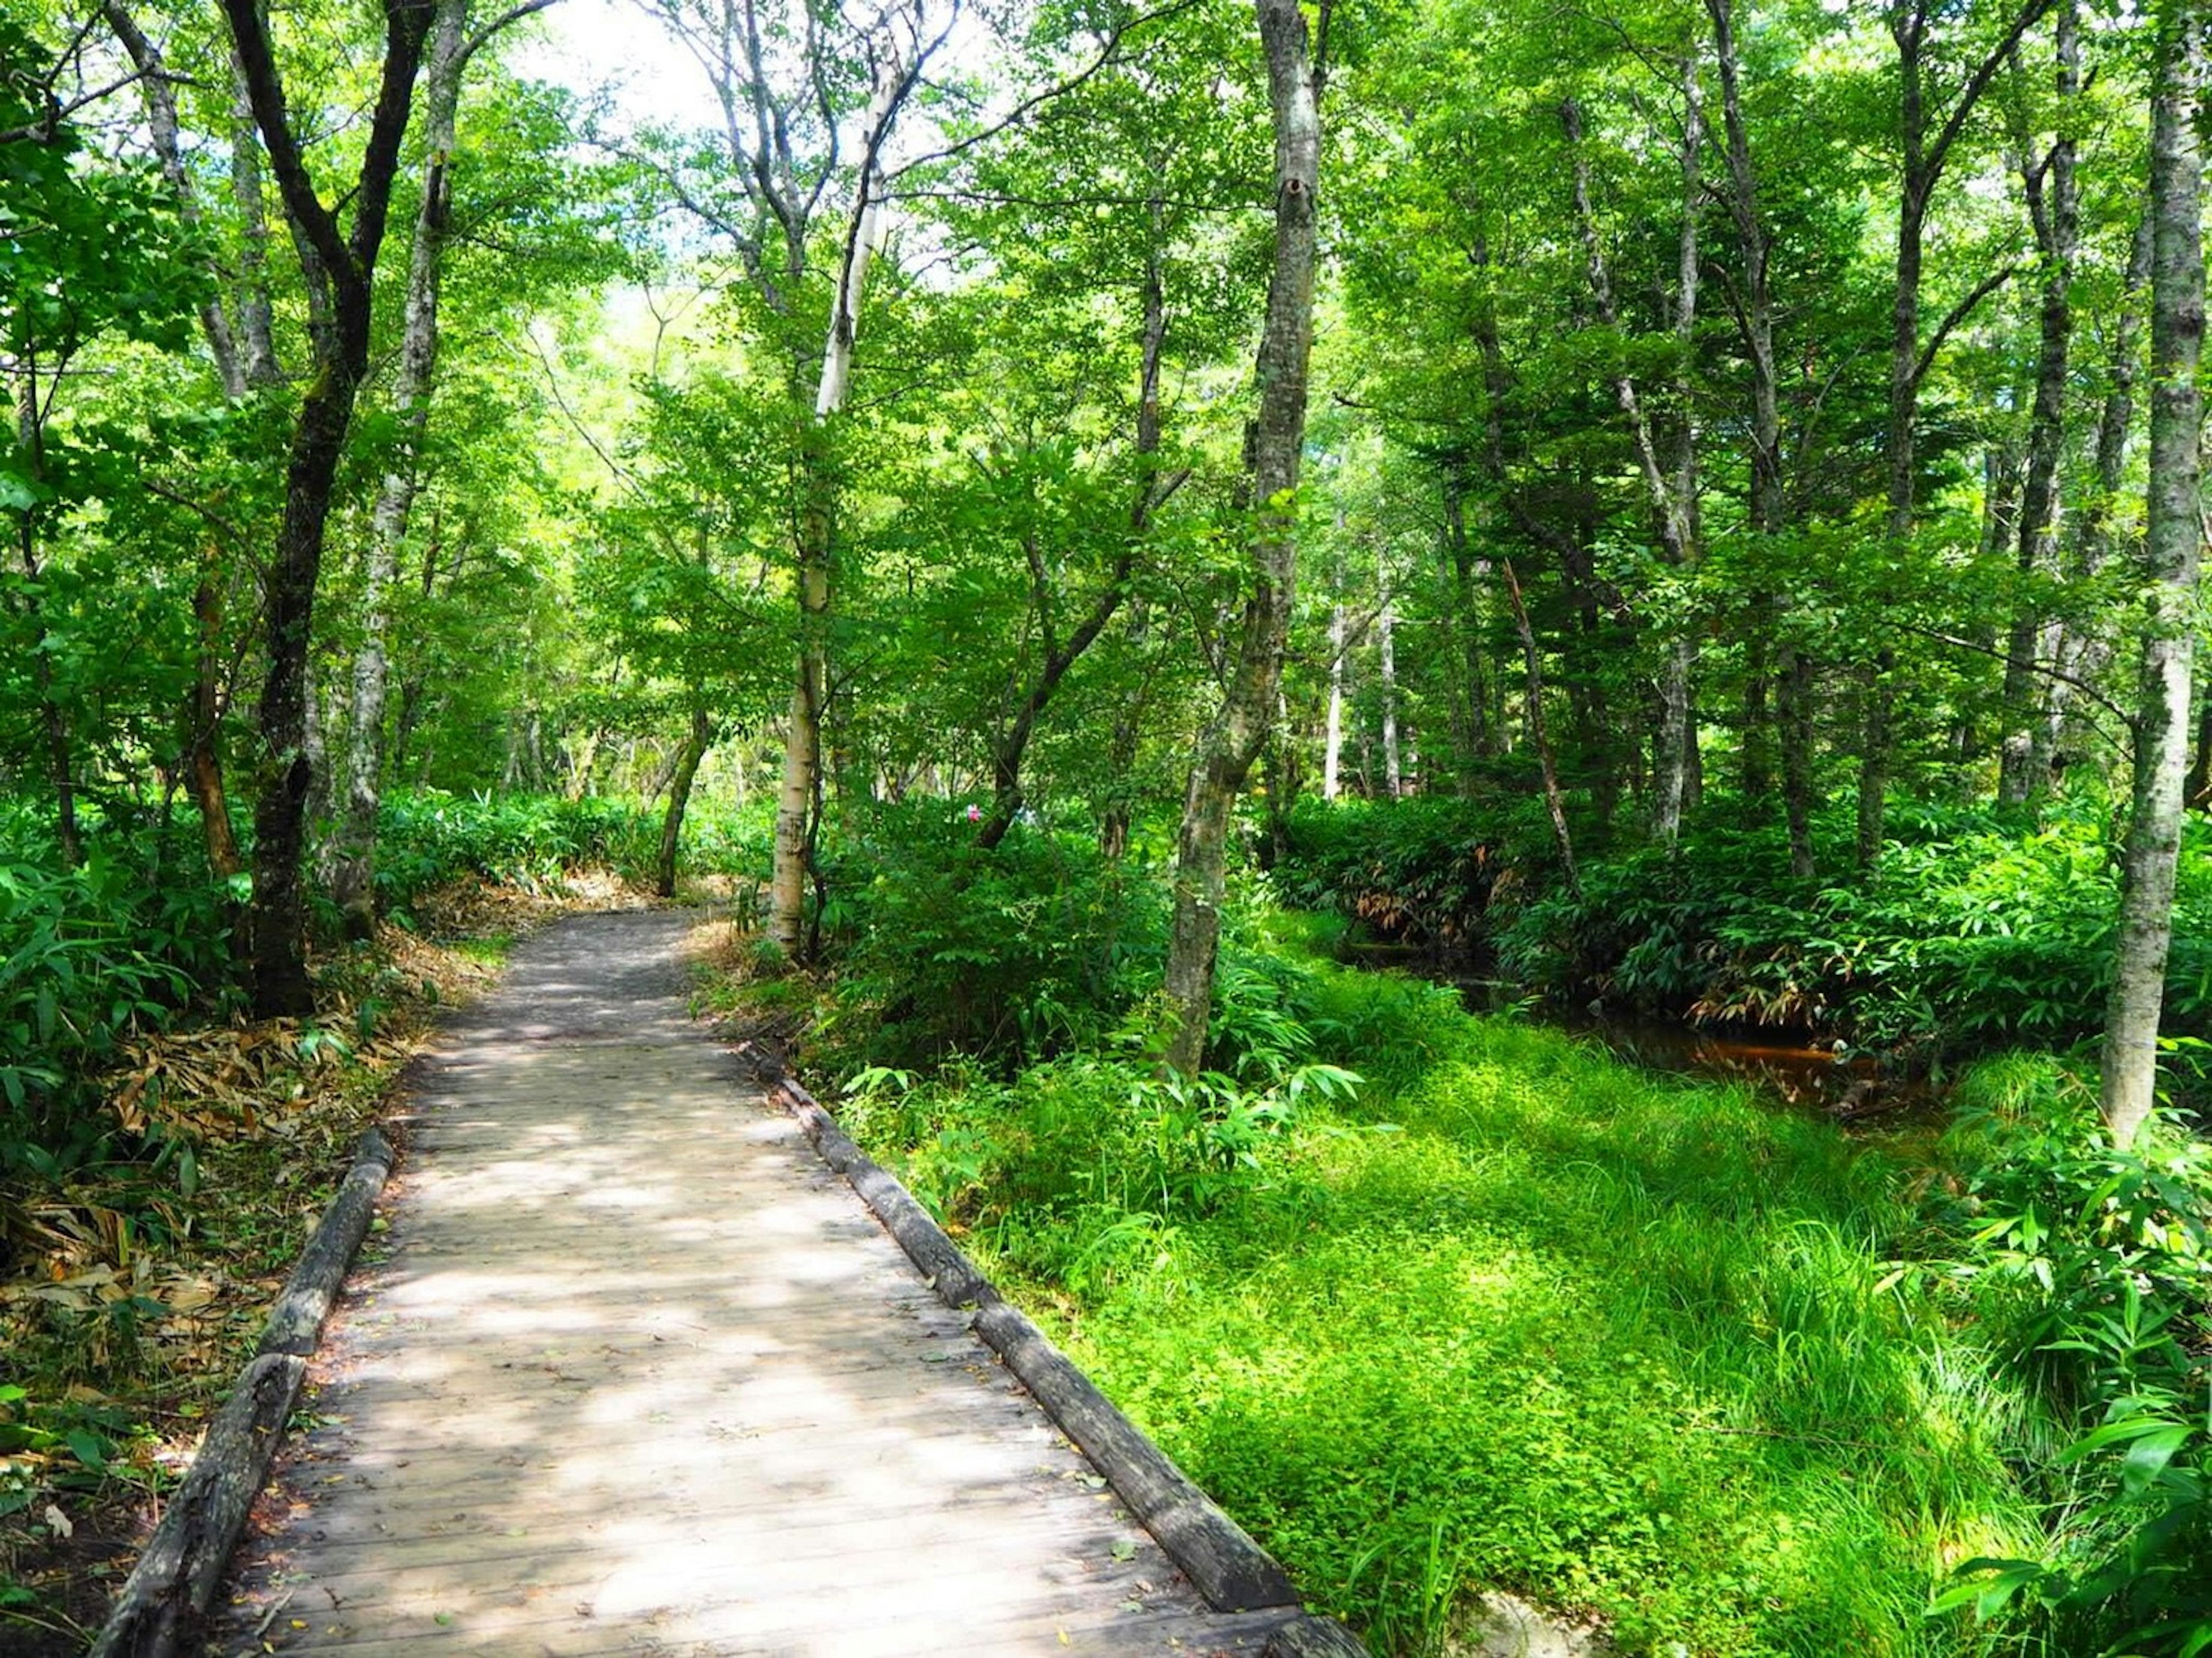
point(1504, 1313)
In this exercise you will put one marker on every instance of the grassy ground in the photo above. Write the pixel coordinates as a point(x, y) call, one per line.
point(132, 1294)
point(1518, 1316)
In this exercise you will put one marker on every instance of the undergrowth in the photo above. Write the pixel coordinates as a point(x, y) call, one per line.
point(1499, 1312)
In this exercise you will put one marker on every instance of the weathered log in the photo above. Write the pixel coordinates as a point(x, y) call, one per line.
point(169, 1591)
point(175, 1582)
point(1234, 1573)
point(1315, 1637)
point(295, 1323)
point(936, 1255)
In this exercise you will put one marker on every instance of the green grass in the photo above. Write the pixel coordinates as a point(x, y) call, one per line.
point(1520, 1317)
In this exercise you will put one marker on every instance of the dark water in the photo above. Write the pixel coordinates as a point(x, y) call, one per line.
point(1785, 1065)
point(1809, 1078)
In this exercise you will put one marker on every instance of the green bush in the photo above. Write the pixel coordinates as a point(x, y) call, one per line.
point(1035, 948)
point(1421, 870)
point(87, 958)
point(1513, 1316)
point(2094, 1266)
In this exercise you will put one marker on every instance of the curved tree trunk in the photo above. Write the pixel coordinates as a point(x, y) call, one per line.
point(679, 798)
point(339, 268)
point(353, 876)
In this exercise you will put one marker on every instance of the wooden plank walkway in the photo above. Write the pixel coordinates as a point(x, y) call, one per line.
point(638, 1375)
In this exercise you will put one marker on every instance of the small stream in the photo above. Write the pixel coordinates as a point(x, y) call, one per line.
point(1780, 1064)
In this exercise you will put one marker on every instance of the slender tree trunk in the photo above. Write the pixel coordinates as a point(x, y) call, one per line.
point(1394, 778)
point(1925, 147)
point(203, 724)
point(801, 790)
point(1768, 497)
point(61, 766)
point(1533, 662)
point(2173, 550)
point(1671, 488)
point(2198, 790)
point(1274, 441)
point(1332, 731)
point(2054, 210)
point(352, 883)
point(1061, 655)
point(2082, 653)
point(679, 797)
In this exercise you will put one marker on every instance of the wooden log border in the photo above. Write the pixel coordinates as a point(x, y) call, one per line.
point(1233, 1572)
point(166, 1599)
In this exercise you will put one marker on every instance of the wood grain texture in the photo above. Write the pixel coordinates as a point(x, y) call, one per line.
point(639, 1375)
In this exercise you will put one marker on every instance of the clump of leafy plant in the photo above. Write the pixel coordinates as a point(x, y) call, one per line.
point(2095, 1262)
point(1035, 948)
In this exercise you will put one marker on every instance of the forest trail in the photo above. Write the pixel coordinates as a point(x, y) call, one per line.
point(638, 1374)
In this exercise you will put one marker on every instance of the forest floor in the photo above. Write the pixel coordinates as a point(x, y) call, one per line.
point(129, 1297)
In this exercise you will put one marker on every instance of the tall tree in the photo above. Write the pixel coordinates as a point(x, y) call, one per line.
point(1273, 449)
point(338, 266)
point(1928, 137)
point(2173, 550)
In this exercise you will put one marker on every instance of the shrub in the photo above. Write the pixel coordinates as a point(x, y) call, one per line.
point(2094, 1265)
point(1036, 947)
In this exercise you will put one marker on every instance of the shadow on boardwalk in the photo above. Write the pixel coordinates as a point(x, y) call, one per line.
point(636, 1374)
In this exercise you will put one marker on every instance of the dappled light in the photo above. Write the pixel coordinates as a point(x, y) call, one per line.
point(635, 1366)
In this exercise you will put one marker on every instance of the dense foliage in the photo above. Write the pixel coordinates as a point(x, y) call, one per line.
point(1979, 929)
point(1390, 1330)
point(1738, 566)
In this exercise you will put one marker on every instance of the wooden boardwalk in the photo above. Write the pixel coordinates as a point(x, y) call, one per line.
point(636, 1374)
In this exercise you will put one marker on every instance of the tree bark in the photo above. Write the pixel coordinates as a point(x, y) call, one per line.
point(1386, 668)
point(1555, 804)
point(1670, 484)
point(1924, 150)
point(679, 798)
point(799, 798)
point(2054, 210)
point(353, 883)
point(1274, 441)
point(2173, 550)
point(61, 765)
point(339, 268)
point(353, 879)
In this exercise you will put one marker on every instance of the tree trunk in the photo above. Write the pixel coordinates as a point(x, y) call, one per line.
point(1768, 497)
point(2054, 210)
point(1333, 730)
point(1273, 450)
point(352, 883)
point(61, 768)
point(1386, 665)
point(1671, 488)
point(679, 797)
point(203, 728)
point(1554, 800)
point(1924, 150)
point(798, 800)
point(339, 269)
point(2174, 552)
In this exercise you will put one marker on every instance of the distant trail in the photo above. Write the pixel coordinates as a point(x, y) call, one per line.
point(639, 1375)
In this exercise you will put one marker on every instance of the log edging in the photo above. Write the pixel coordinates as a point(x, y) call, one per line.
point(1231, 1570)
point(168, 1593)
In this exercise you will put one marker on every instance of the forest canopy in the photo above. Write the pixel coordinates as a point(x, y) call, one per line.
point(1694, 507)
